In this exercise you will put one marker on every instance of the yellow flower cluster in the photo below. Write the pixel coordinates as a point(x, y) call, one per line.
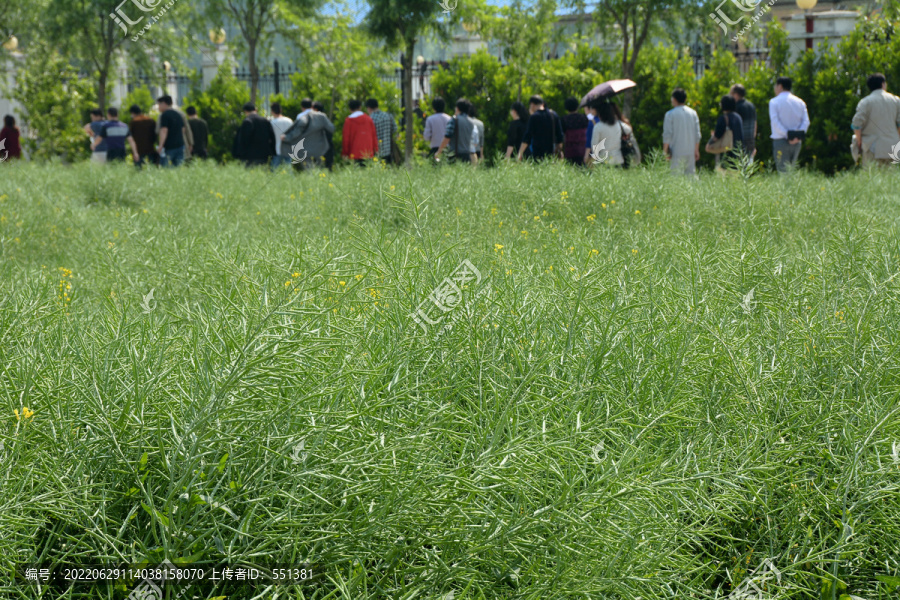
point(591, 218)
point(27, 413)
point(64, 285)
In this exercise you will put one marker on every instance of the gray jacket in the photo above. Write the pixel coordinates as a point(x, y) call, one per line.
point(314, 129)
point(461, 142)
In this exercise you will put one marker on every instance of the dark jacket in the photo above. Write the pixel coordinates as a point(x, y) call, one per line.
point(255, 140)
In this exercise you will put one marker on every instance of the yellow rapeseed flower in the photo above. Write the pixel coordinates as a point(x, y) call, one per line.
point(637, 212)
point(493, 211)
point(27, 413)
point(498, 247)
point(591, 218)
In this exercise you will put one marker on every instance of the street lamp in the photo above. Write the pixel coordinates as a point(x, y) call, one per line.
point(808, 5)
point(217, 36)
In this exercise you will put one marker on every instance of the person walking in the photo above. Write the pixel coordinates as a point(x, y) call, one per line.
point(199, 133)
point(360, 137)
point(728, 120)
point(10, 139)
point(280, 125)
point(790, 122)
point(478, 146)
point(519, 115)
point(543, 133)
point(574, 126)
point(436, 125)
point(115, 134)
point(876, 124)
point(459, 135)
point(747, 111)
point(172, 133)
point(255, 140)
point(98, 151)
point(186, 131)
point(681, 135)
point(143, 131)
point(315, 130)
point(305, 107)
point(329, 155)
point(385, 129)
point(611, 128)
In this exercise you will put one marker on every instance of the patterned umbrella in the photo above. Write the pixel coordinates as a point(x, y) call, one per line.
point(607, 88)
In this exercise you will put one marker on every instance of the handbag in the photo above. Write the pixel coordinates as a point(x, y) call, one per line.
point(627, 147)
point(724, 143)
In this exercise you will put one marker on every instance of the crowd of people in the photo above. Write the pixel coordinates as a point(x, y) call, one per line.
point(598, 135)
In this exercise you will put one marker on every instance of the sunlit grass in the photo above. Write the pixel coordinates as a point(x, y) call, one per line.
point(614, 416)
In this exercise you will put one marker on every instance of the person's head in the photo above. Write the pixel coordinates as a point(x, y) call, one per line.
point(371, 105)
point(876, 81)
point(191, 111)
point(462, 106)
point(249, 108)
point(276, 109)
point(353, 104)
point(607, 112)
point(738, 92)
point(783, 84)
point(318, 107)
point(535, 103)
point(135, 110)
point(112, 113)
point(306, 104)
point(96, 114)
point(472, 112)
point(727, 103)
point(518, 111)
point(9, 121)
point(679, 97)
point(438, 105)
point(165, 102)
point(571, 105)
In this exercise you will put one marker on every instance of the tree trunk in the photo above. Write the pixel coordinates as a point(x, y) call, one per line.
point(254, 70)
point(408, 96)
point(101, 89)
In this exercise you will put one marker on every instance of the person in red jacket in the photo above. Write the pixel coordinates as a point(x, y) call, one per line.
point(9, 139)
point(360, 138)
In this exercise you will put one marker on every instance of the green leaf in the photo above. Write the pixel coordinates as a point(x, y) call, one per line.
point(143, 464)
point(222, 462)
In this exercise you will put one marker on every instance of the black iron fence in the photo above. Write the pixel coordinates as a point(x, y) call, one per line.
point(277, 79)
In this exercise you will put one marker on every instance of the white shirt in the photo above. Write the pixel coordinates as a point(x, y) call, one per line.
point(613, 136)
point(280, 125)
point(303, 113)
point(787, 112)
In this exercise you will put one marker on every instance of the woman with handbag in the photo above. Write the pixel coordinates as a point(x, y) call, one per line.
point(612, 139)
point(727, 139)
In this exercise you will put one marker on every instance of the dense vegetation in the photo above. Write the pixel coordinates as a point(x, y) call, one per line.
point(657, 384)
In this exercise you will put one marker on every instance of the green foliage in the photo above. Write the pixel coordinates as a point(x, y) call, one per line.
point(55, 104)
point(141, 96)
point(220, 106)
point(522, 29)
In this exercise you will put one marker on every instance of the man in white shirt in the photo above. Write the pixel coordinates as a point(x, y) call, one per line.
point(681, 135)
point(876, 124)
point(788, 116)
point(280, 124)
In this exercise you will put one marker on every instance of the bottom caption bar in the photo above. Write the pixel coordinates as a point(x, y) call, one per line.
point(165, 573)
